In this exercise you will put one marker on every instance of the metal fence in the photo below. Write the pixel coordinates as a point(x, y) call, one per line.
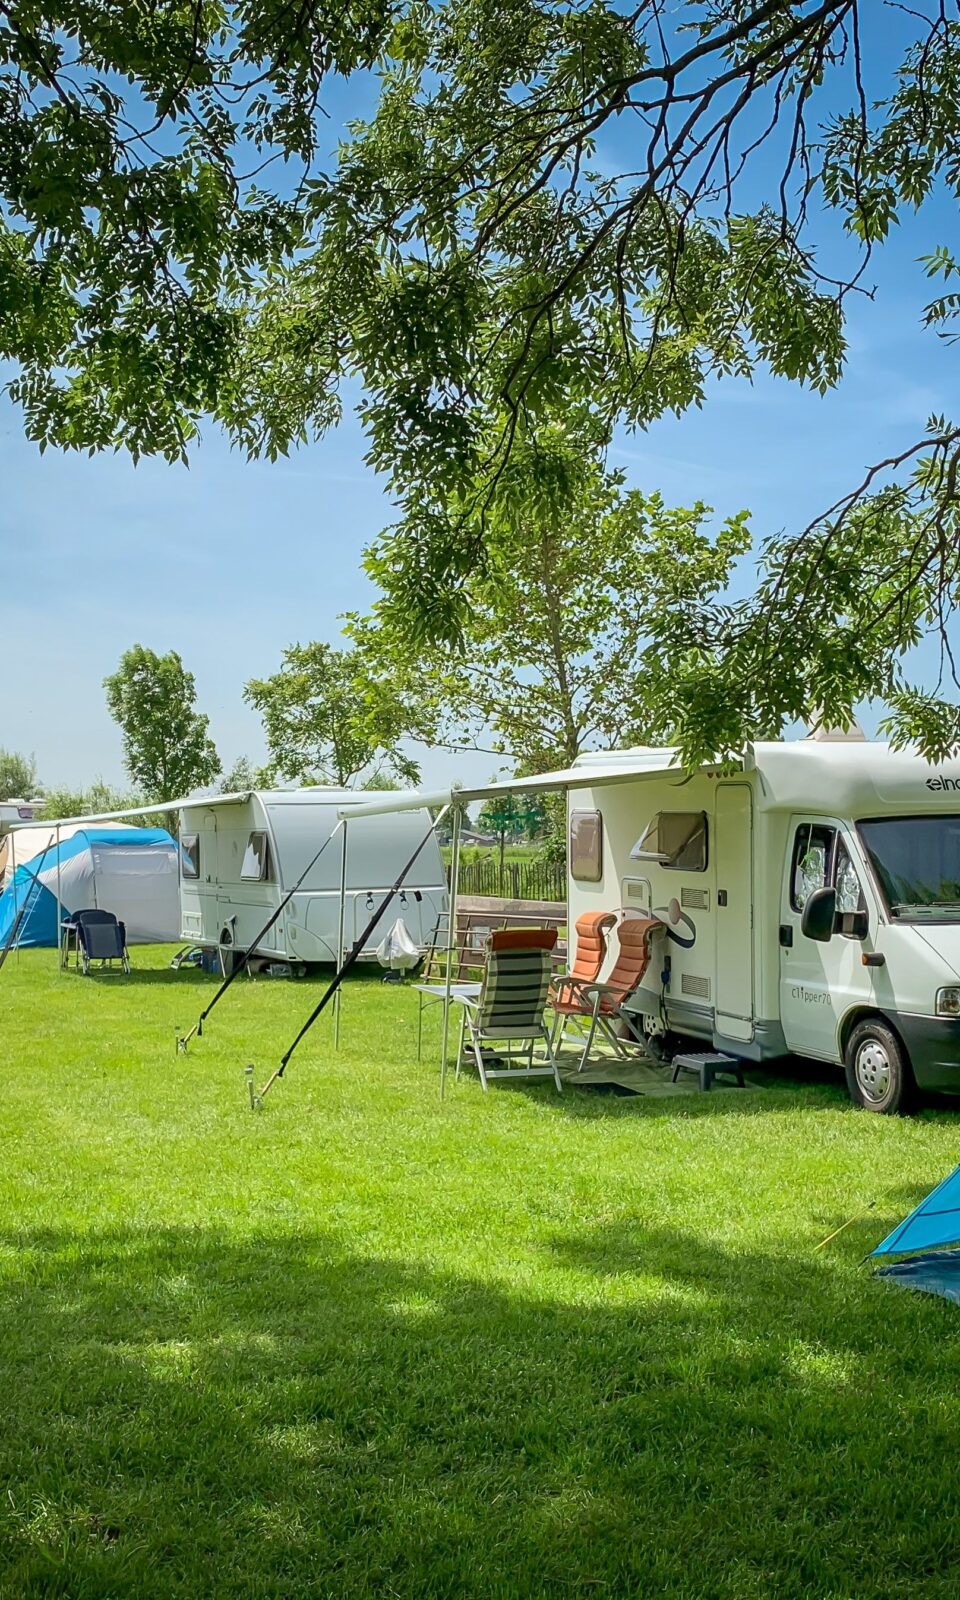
point(518, 880)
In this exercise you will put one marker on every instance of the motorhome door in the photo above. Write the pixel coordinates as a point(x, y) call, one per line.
point(733, 958)
point(818, 981)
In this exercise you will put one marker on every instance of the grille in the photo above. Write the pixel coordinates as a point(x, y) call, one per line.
point(695, 899)
point(690, 984)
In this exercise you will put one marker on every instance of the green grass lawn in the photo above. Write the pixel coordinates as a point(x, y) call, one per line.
point(518, 1344)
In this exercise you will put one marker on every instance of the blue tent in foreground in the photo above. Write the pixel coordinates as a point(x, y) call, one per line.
point(934, 1222)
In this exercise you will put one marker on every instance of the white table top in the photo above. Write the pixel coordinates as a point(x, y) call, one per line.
point(458, 991)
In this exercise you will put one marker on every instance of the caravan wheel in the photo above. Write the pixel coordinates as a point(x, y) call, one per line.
point(878, 1072)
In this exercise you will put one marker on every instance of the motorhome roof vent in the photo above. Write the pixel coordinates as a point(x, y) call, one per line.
point(824, 732)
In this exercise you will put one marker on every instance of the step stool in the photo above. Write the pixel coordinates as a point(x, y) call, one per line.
point(708, 1064)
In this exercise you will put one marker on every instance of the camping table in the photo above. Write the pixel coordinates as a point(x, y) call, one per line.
point(435, 992)
point(69, 939)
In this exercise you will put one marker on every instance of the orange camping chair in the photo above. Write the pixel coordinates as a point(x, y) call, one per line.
point(592, 930)
point(599, 1007)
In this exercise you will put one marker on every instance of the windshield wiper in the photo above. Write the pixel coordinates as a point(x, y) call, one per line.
point(924, 905)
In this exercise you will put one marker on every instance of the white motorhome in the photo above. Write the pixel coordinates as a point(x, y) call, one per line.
point(240, 855)
point(809, 902)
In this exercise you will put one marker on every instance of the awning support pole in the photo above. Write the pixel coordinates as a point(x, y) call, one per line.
point(243, 965)
point(358, 945)
point(343, 905)
point(451, 939)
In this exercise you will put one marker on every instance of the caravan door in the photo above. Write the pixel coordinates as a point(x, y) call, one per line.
point(198, 875)
point(733, 958)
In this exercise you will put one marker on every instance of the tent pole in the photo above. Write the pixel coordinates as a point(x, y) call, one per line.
point(451, 939)
point(59, 910)
point(16, 903)
point(343, 904)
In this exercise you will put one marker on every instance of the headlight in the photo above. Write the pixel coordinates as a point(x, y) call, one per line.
point(948, 1002)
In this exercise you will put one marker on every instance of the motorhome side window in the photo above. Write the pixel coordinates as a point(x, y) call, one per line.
point(255, 868)
point(675, 839)
point(189, 855)
point(586, 846)
point(849, 892)
point(812, 858)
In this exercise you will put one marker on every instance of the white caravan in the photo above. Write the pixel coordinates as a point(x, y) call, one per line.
point(15, 812)
point(809, 901)
point(241, 854)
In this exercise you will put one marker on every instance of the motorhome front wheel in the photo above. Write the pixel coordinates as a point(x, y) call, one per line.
point(878, 1073)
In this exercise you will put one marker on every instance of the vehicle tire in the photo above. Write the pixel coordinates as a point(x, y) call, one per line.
point(878, 1070)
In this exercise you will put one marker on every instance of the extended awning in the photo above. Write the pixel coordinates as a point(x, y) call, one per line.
point(138, 811)
point(588, 773)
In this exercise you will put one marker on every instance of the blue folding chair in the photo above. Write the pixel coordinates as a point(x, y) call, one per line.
point(100, 937)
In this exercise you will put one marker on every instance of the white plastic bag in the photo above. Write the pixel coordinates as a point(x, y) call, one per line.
point(398, 950)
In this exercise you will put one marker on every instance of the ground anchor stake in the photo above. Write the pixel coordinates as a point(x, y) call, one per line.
point(256, 1104)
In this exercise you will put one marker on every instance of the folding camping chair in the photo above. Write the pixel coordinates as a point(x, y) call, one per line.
point(592, 931)
point(598, 1008)
point(509, 1010)
point(100, 937)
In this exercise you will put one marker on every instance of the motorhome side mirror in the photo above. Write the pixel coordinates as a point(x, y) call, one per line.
point(855, 924)
point(819, 915)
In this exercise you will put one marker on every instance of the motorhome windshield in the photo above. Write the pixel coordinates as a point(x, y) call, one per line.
point(917, 862)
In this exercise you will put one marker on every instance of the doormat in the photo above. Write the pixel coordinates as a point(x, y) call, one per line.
point(635, 1076)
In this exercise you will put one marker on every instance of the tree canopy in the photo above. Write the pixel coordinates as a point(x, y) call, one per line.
point(63, 801)
point(317, 725)
point(558, 208)
point(243, 775)
point(18, 776)
point(167, 750)
point(558, 648)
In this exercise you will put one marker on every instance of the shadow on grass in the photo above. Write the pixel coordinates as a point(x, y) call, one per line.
point(778, 1086)
point(315, 977)
point(763, 1095)
point(190, 1415)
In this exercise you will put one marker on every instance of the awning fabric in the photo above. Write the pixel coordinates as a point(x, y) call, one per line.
point(587, 774)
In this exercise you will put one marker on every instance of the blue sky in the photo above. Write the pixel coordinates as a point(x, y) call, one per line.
point(227, 561)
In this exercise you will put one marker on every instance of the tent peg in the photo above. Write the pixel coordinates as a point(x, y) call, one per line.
point(256, 1103)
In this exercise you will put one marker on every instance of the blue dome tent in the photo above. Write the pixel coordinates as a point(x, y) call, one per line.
point(934, 1223)
point(132, 872)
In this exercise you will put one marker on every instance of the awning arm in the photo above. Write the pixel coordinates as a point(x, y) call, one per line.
point(402, 800)
point(183, 804)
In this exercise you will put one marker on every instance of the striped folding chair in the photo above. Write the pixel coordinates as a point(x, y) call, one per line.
point(502, 1026)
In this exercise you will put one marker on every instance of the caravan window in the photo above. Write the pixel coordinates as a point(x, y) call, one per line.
point(189, 855)
point(676, 839)
point(586, 846)
point(256, 859)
